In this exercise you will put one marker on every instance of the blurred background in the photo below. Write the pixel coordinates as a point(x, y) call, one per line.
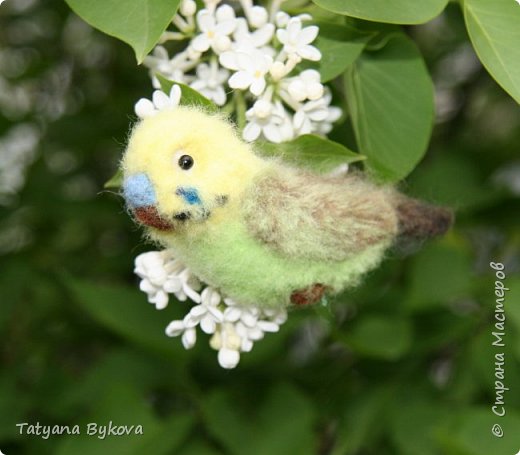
point(403, 365)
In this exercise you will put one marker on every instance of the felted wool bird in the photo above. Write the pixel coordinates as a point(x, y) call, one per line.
point(262, 232)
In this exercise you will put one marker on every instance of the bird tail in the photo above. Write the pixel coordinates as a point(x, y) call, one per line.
point(420, 221)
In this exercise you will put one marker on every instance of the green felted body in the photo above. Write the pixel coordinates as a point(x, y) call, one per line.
point(229, 258)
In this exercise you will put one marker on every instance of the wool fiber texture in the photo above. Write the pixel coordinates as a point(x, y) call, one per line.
point(258, 229)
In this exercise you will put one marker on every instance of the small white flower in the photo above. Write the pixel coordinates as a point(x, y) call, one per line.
point(175, 328)
point(250, 323)
point(310, 113)
point(189, 334)
point(150, 267)
point(304, 17)
point(172, 69)
point(161, 274)
point(189, 338)
point(210, 82)
point(251, 70)
point(215, 29)
point(211, 4)
point(159, 60)
point(269, 120)
point(278, 70)
point(245, 40)
point(188, 8)
point(316, 116)
point(228, 358)
point(256, 15)
point(227, 342)
point(206, 314)
point(193, 54)
point(341, 170)
point(160, 101)
point(296, 40)
point(281, 19)
point(234, 327)
point(333, 116)
point(306, 85)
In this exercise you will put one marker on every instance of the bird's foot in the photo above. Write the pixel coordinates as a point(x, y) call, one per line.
point(308, 296)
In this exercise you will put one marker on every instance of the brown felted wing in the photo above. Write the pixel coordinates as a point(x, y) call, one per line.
point(310, 216)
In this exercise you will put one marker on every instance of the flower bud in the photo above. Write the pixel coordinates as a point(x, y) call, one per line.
point(228, 358)
point(262, 108)
point(174, 328)
point(216, 341)
point(231, 339)
point(221, 44)
point(225, 13)
point(258, 16)
point(281, 19)
point(188, 8)
point(297, 90)
point(192, 53)
point(305, 17)
point(277, 70)
point(189, 337)
point(314, 90)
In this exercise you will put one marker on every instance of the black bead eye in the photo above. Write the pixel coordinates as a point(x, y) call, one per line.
point(185, 162)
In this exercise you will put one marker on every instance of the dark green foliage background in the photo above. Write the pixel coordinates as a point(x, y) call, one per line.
point(403, 365)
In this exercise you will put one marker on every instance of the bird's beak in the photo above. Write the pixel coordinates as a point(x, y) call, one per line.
point(140, 198)
point(150, 217)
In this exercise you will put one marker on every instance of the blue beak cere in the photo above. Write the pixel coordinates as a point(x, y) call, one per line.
point(138, 191)
point(140, 197)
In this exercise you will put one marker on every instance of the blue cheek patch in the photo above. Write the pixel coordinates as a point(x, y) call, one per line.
point(138, 191)
point(190, 195)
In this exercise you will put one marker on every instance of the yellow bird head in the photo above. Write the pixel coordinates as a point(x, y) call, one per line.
point(183, 166)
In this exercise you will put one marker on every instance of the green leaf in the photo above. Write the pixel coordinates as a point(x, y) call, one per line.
point(382, 337)
point(115, 181)
point(189, 96)
point(285, 422)
point(453, 180)
point(139, 23)
point(14, 403)
point(312, 151)
point(512, 300)
point(124, 404)
point(424, 417)
point(473, 434)
point(482, 355)
point(197, 447)
point(390, 98)
point(361, 421)
point(494, 30)
point(340, 46)
point(281, 424)
point(126, 312)
point(439, 274)
point(138, 370)
point(394, 12)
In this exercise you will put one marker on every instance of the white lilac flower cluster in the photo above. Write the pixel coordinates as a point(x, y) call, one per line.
point(234, 328)
point(251, 58)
